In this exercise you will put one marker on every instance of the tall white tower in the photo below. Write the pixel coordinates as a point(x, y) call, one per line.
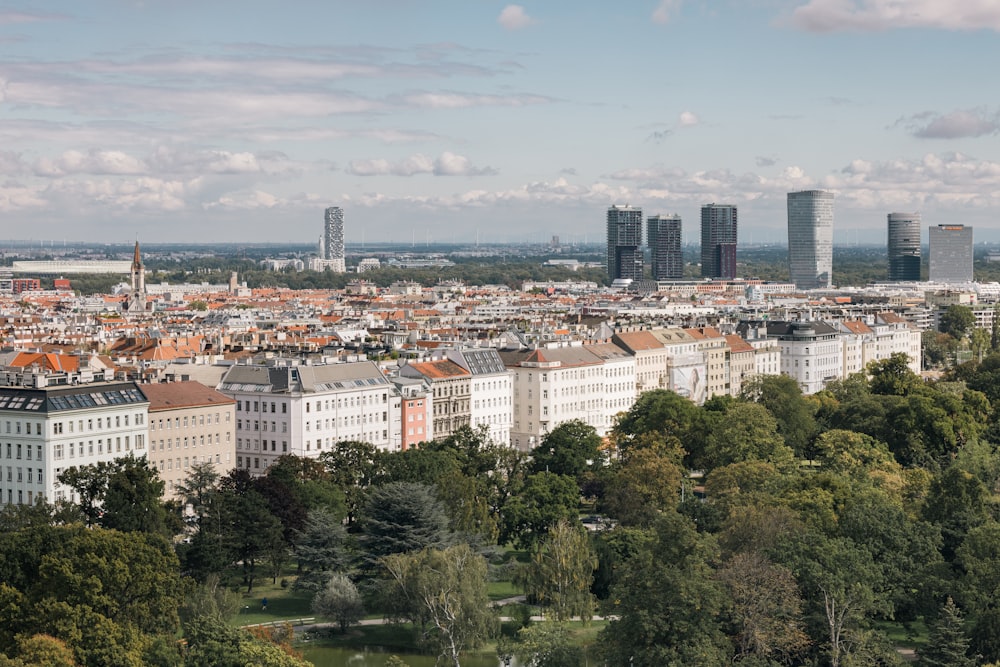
point(810, 238)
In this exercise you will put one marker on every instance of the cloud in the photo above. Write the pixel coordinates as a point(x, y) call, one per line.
point(666, 11)
point(568, 171)
point(456, 100)
point(446, 164)
point(878, 15)
point(659, 136)
point(955, 125)
point(513, 17)
point(764, 161)
point(94, 161)
point(13, 17)
point(687, 119)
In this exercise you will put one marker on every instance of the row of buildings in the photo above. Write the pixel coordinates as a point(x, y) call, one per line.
point(57, 412)
point(810, 244)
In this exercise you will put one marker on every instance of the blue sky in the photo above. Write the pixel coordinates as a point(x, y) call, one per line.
point(452, 120)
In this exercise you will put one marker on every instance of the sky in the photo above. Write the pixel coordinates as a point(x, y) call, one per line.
point(473, 120)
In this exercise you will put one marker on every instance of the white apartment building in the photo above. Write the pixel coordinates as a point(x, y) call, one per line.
point(47, 424)
point(305, 409)
point(490, 391)
point(559, 383)
point(618, 370)
point(189, 423)
point(812, 353)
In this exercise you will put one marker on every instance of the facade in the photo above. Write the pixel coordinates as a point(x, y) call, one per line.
point(712, 344)
point(451, 388)
point(950, 249)
point(663, 234)
point(810, 239)
point(189, 423)
point(687, 364)
point(624, 258)
point(812, 353)
point(49, 424)
point(490, 391)
point(305, 409)
point(416, 410)
point(650, 358)
point(904, 246)
point(718, 241)
point(559, 383)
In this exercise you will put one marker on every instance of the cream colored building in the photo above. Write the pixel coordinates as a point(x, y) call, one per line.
point(189, 423)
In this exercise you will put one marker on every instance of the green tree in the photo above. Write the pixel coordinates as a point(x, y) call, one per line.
point(571, 448)
point(544, 499)
point(947, 645)
point(659, 411)
point(132, 498)
point(353, 467)
point(401, 517)
point(89, 483)
point(250, 531)
point(547, 645)
point(746, 432)
point(783, 398)
point(321, 549)
point(446, 589)
point(561, 571)
point(198, 486)
point(892, 376)
point(640, 485)
point(956, 321)
point(668, 604)
point(339, 599)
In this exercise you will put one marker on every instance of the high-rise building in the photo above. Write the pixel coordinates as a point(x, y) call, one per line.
point(663, 234)
point(333, 233)
point(810, 238)
point(718, 241)
point(624, 243)
point(951, 253)
point(904, 246)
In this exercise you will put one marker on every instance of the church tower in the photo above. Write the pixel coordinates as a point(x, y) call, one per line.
point(137, 295)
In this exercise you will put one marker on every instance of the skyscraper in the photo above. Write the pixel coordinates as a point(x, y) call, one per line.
point(810, 238)
point(624, 243)
point(904, 246)
point(663, 234)
point(951, 253)
point(333, 233)
point(718, 241)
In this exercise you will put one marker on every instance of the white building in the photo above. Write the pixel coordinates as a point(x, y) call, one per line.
point(305, 409)
point(559, 383)
point(490, 391)
point(47, 424)
point(812, 353)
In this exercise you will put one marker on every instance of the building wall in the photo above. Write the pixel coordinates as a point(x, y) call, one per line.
point(950, 253)
point(180, 437)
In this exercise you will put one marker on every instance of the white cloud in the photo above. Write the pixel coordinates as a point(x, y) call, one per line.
point(513, 17)
point(955, 125)
point(666, 11)
point(446, 164)
point(94, 161)
point(453, 100)
point(688, 119)
point(876, 15)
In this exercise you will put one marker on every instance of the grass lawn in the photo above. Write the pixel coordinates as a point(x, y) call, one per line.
point(395, 637)
point(498, 590)
point(908, 635)
point(282, 604)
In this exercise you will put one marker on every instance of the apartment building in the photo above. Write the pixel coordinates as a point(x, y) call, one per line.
point(287, 408)
point(52, 421)
point(490, 391)
point(189, 423)
point(451, 389)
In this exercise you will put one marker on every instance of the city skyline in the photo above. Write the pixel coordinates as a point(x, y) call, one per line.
point(451, 121)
